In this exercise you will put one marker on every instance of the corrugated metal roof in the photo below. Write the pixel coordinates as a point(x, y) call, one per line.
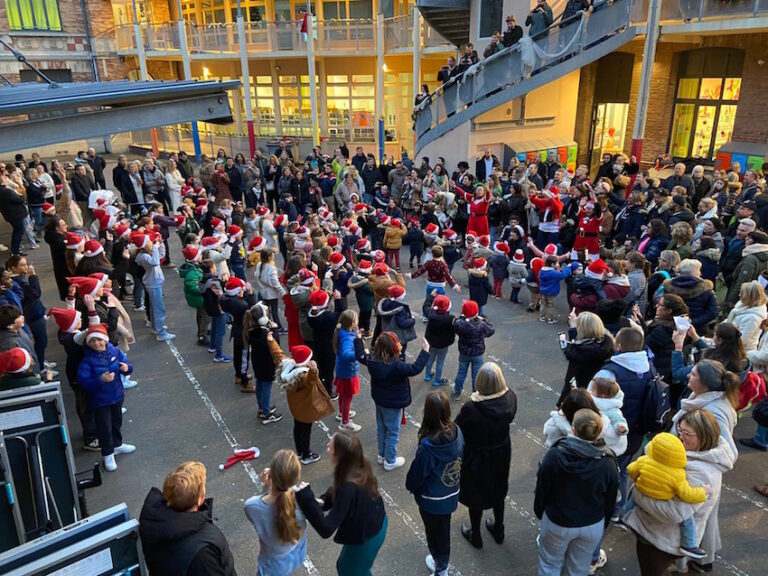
point(30, 97)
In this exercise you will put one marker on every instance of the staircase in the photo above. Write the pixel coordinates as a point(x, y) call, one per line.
point(532, 63)
point(449, 17)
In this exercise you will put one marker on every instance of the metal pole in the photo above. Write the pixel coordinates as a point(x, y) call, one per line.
point(246, 74)
point(643, 94)
point(416, 56)
point(186, 65)
point(311, 72)
point(380, 82)
point(143, 69)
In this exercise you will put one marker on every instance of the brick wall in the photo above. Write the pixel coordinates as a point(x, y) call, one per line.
point(163, 69)
point(751, 124)
point(583, 125)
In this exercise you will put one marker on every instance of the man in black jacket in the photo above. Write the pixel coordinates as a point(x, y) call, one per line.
point(177, 531)
point(513, 33)
point(447, 72)
point(97, 164)
point(81, 192)
point(184, 164)
point(14, 210)
point(121, 178)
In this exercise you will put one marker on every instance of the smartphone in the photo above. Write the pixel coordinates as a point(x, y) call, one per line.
point(563, 340)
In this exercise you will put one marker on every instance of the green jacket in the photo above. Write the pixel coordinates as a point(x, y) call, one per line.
point(754, 262)
point(192, 274)
point(9, 381)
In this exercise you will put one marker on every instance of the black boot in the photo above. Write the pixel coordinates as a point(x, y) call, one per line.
point(496, 531)
point(474, 539)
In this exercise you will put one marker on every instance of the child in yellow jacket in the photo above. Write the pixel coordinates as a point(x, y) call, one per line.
point(660, 474)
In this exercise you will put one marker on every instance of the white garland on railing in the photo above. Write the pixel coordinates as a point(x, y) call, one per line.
point(545, 55)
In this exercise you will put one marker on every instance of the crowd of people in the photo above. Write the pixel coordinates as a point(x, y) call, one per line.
point(664, 281)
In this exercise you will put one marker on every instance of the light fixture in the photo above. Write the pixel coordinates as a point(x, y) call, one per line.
point(384, 67)
point(206, 73)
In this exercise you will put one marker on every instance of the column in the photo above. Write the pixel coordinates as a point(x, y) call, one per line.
point(311, 71)
point(323, 115)
point(142, 56)
point(187, 70)
point(246, 76)
point(416, 51)
point(380, 83)
point(644, 90)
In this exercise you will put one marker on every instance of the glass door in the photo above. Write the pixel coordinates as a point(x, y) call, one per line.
point(608, 131)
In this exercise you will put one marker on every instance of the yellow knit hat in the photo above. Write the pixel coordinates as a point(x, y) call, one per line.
point(667, 450)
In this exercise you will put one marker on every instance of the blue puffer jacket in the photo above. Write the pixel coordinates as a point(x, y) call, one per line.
point(92, 366)
point(498, 264)
point(472, 334)
point(435, 473)
point(549, 280)
point(346, 361)
point(390, 387)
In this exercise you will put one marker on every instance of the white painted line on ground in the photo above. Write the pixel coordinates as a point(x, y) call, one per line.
point(735, 570)
point(222, 425)
point(744, 496)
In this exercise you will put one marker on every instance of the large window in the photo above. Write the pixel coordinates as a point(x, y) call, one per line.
point(33, 14)
point(347, 9)
point(351, 106)
point(490, 17)
point(707, 96)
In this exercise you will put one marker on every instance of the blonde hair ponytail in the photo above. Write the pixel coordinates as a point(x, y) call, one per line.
point(284, 472)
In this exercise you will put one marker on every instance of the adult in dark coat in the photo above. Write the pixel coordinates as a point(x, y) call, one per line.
point(589, 347)
point(55, 232)
point(698, 295)
point(658, 339)
point(512, 34)
point(14, 210)
point(97, 164)
point(122, 180)
point(484, 421)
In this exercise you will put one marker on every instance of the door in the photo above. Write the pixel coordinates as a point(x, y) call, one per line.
point(609, 125)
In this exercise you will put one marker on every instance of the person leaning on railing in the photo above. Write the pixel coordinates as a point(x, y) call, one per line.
point(494, 47)
point(539, 18)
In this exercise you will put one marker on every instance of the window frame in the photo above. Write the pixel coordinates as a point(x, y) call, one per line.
point(18, 8)
point(498, 27)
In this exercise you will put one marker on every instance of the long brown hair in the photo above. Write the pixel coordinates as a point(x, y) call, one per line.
point(347, 320)
point(352, 465)
point(387, 347)
point(437, 416)
point(285, 472)
point(265, 258)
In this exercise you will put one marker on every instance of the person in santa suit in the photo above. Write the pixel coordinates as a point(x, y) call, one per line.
point(588, 230)
point(550, 207)
point(478, 209)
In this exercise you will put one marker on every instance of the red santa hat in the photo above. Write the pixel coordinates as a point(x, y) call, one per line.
point(279, 220)
point(49, 209)
point(66, 319)
point(363, 245)
point(210, 243)
point(262, 211)
point(597, 269)
point(501, 248)
point(97, 331)
point(140, 240)
point(319, 300)
point(479, 264)
point(361, 207)
point(326, 215)
point(257, 244)
point(234, 231)
point(470, 237)
point(234, 286)
point(396, 292)
point(470, 309)
point(431, 228)
point(306, 277)
point(301, 355)
point(302, 232)
point(381, 269)
point(101, 201)
point(520, 231)
point(106, 222)
point(201, 202)
point(384, 220)
point(550, 250)
point(191, 253)
point(241, 455)
point(200, 210)
point(154, 236)
point(180, 219)
point(122, 231)
point(449, 234)
point(15, 361)
point(216, 222)
point(379, 256)
point(187, 190)
point(365, 267)
point(484, 241)
point(354, 230)
point(86, 286)
point(98, 213)
point(337, 260)
point(519, 256)
point(73, 240)
point(441, 303)
point(333, 241)
point(395, 222)
point(346, 223)
point(93, 248)
point(100, 276)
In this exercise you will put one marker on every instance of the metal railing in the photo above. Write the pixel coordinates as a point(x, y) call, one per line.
point(702, 10)
point(398, 33)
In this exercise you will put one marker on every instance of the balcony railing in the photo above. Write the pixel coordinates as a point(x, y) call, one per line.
point(398, 35)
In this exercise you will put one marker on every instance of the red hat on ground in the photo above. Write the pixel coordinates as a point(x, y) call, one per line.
point(73, 240)
point(501, 248)
point(97, 331)
point(484, 241)
point(93, 248)
point(379, 256)
point(262, 210)
point(49, 209)
point(191, 253)
point(210, 243)
point(441, 303)
point(216, 222)
point(279, 220)
point(319, 300)
point(121, 230)
point(15, 361)
point(241, 455)
point(519, 256)
point(234, 286)
point(396, 292)
point(381, 269)
point(449, 234)
point(85, 286)
point(180, 219)
point(597, 269)
point(365, 267)
point(257, 244)
point(140, 240)
point(336, 259)
point(362, 245)
point(470, 309)
point(301, 355)
point(479, 263)
point(550, 250)
point(66, 318)
point(431, 228)
point(333, 241)
point(306, 277)
point(234, 231)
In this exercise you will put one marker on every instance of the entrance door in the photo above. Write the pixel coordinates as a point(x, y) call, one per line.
point(609, 127)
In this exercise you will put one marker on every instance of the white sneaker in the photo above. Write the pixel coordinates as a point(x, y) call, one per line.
point(601, 561)
point(50, 365)
point(123, 410)
point(128, 383)
point(167, 336)
point(398, 463)
point(109, 463)
point(352, 414)
point(125, 448)
point(430, 563)
point(380, 459)
point(350, 427)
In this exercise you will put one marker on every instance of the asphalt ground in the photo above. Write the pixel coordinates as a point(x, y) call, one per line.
point(188, 408)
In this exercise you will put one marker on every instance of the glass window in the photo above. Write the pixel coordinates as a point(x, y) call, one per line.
point(360, 9)
point(365, 78)
point(264, 80)
point(710, 88)
point(688, 88)
point(725, 125)
point(732, 89)
point(490, 17)
point(33, 14)
point(337, 91)
point(342, 79)
point(362, 91)
point(702, 138)
point(681, 129)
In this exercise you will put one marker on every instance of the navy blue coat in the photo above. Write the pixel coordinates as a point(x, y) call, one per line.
point(91, 368)
point(434, 475)
point(472, 334)
point(479, 287)
point(390, 387)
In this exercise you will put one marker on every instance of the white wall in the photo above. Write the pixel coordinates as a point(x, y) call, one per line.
point(517, 8)
point(453, 146)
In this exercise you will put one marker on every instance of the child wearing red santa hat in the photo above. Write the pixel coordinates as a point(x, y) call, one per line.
point(16, 370)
